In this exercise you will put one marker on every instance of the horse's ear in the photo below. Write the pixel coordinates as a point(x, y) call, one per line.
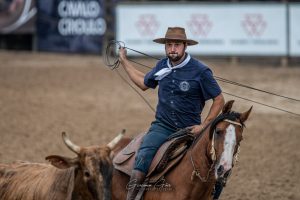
point(227, 107)
point(244, 116)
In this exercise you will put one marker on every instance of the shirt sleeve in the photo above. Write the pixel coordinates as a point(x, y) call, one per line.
point(211, 88)
point(149, 79)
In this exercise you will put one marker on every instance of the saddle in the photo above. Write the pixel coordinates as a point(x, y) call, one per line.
point(167, 156)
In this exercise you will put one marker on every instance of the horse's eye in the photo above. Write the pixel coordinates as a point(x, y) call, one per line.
point(218, 131)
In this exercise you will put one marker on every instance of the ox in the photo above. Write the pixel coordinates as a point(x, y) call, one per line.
point(85, 177)
point(209, 159)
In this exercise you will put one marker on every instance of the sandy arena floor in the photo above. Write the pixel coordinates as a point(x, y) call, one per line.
point(42, 95)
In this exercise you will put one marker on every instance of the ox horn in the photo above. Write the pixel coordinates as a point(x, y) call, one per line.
point(73, 147)
point(113, 143)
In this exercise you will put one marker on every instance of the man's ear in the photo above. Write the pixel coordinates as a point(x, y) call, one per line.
point(62, 162)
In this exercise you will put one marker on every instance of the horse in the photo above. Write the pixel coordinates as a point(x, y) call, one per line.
point(209, 159)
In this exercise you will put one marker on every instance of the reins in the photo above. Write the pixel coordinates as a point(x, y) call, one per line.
point(196, 171)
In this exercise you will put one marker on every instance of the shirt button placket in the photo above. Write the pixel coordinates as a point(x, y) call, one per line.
point(172, 101)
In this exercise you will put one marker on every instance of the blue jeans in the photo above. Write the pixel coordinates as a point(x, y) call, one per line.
point(156, 136)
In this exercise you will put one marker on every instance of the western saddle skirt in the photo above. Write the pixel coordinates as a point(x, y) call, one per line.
point(167, 156)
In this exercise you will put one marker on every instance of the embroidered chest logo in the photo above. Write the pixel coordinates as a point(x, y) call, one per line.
point(184, 86)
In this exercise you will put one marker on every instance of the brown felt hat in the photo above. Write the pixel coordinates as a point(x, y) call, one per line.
point(175, 33)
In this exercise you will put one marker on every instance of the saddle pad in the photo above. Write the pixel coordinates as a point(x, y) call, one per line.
point(124, 160)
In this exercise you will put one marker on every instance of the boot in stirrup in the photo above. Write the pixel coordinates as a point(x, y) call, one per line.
point(136, 180)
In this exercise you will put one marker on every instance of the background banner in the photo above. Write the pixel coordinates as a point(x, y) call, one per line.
point(294, 24)
point(220, 29)
point(71, 25)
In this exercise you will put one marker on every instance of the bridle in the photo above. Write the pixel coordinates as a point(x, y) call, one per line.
point(231, 118)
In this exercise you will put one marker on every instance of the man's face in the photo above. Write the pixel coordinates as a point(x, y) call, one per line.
point(175, 50)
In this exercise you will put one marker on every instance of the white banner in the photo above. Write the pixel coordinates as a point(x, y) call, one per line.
point(294, 29)
point(220, 29)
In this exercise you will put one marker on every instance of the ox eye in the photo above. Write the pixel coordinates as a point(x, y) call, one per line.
point(87, 174)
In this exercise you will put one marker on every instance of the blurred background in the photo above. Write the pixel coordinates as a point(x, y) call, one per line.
point(53, 78)
point(234, 30)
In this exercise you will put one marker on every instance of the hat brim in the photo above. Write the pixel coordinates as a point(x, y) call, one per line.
point(164, 40)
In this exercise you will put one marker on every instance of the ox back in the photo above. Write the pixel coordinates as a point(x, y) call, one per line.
point(34, 181)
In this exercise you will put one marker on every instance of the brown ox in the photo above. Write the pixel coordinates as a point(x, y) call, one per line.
point(87, 176)
point(210, 158)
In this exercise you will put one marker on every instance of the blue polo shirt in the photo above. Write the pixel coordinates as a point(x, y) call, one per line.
point(183, 92)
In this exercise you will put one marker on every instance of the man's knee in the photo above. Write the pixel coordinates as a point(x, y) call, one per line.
point(143, 160)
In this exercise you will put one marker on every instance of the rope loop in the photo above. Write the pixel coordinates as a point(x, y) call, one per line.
point(111, 57)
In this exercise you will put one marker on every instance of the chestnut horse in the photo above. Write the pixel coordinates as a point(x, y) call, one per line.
point(210, 158)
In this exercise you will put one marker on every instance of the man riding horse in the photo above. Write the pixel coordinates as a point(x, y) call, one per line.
point(184, 85)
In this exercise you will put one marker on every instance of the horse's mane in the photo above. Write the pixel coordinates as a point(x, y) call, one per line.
point(211, 126)
point(233, 116)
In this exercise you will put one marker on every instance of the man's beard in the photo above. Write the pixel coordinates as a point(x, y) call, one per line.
point(174, 57)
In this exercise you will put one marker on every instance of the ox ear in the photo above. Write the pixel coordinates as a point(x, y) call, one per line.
point(227, 107)
point(62, 162)
point(244, 116)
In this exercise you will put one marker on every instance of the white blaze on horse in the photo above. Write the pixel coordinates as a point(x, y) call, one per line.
point(207, 159)
point(226, 161)
point(85, 177)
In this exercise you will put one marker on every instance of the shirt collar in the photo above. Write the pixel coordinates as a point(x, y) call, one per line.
point(167, 70)
point(183, 63)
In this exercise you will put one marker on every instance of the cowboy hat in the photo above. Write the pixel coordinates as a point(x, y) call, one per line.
point(175, 33)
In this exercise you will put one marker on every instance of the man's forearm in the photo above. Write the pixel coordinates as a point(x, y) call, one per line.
point(135, 75)
point(216, 107)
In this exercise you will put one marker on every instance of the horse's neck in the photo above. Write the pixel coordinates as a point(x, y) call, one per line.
point(195, 159)
point(199, 154)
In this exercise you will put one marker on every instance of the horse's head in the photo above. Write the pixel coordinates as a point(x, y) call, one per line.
point(226, 135)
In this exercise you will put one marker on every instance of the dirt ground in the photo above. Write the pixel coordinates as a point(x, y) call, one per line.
point(42, 95)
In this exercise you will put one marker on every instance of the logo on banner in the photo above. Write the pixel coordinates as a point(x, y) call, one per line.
point(254, 24)
point(147, 25)
point(200, 24)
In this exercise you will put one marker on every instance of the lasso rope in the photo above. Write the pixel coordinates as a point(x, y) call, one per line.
point(111, 49)
point(114, 45)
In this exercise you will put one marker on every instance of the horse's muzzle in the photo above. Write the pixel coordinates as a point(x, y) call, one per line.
point(227, 174)
point(222, 173)
point(220, 170)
